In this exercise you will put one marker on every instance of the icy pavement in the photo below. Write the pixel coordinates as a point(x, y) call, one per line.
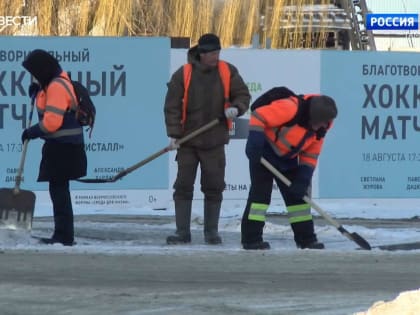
point(121, 265)
point(132, 233)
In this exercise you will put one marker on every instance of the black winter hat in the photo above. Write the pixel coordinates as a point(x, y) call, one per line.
point(42, 65)
point(208, 42)
point(322, 109)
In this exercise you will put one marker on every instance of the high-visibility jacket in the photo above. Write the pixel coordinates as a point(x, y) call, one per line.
point(287, 141)
point(56, 120)
point(224, 73)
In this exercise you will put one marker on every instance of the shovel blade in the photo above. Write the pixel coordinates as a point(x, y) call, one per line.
point(16, 209)
point(360, 241)
point(401, 246)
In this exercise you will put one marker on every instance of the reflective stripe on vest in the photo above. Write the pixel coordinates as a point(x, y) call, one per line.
point(224, 73)
point(70, 130)
point(65, 83)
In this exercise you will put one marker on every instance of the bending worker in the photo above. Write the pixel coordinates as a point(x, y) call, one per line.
point(289, 134)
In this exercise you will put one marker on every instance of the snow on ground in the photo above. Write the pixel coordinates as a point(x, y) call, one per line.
point(124, 229)
point(143, 230)
point(406, 303)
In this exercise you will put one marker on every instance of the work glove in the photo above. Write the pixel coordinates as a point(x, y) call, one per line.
point(24, 136)
point(173, 145)
point(33, 89)
point(231, 112)
point(320, 133)
point(31, 133)
point(298, 189)
point(301, 181)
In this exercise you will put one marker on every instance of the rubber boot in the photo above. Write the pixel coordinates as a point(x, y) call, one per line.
point(305, 236)
point(211, 222)
point(182, 220)
point(256, 245)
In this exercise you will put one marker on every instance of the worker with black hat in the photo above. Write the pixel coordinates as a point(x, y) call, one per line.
point(199, 92)
point(289, 133)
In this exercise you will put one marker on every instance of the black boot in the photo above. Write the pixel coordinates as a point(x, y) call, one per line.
point(52, 240)
point(305, 236)
point(256, 245)
point(211, 222)
point(182, 220)
point(312, 245)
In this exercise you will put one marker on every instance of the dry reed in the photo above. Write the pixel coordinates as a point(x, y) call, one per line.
point(235, 21)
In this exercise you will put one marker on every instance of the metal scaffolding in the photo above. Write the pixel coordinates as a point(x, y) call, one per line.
point(360, 37)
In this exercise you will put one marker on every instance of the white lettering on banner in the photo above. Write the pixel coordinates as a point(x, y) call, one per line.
point(391, 21)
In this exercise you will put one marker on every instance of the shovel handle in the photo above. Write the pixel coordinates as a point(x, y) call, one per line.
point(287, 182)
point(200, 130)
point(153, 156)
point(351, 236)
point(24, 149)
point(166, 149)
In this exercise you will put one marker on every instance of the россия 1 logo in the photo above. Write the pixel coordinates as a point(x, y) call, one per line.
point(391, 21)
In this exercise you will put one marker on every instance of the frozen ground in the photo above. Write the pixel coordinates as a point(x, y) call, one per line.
point(121, 265)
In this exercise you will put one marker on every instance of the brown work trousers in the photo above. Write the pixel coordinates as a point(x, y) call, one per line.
point(212, 167)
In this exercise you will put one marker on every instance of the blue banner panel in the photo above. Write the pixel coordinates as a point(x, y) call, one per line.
point(127, 79)
point(373, 150)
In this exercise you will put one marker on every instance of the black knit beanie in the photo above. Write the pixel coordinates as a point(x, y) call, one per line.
point(208, 42)
point(322, 109)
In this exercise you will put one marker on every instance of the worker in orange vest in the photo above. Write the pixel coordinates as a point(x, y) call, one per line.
point(289, 133)
point(63, 152)
point(201, 91)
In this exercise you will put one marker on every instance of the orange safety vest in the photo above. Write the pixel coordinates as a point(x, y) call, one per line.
point(290, 140)
point(53, 107)
point(224, 73)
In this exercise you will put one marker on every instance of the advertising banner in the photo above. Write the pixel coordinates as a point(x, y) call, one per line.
point(374, 149)
point(369, 153)
point(126, 77)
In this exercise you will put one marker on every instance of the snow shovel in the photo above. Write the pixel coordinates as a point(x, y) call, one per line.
point(153, 156)
point(352, 236)
point(17, 205)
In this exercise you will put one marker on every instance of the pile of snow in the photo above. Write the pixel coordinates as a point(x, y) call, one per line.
point(406, 303)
